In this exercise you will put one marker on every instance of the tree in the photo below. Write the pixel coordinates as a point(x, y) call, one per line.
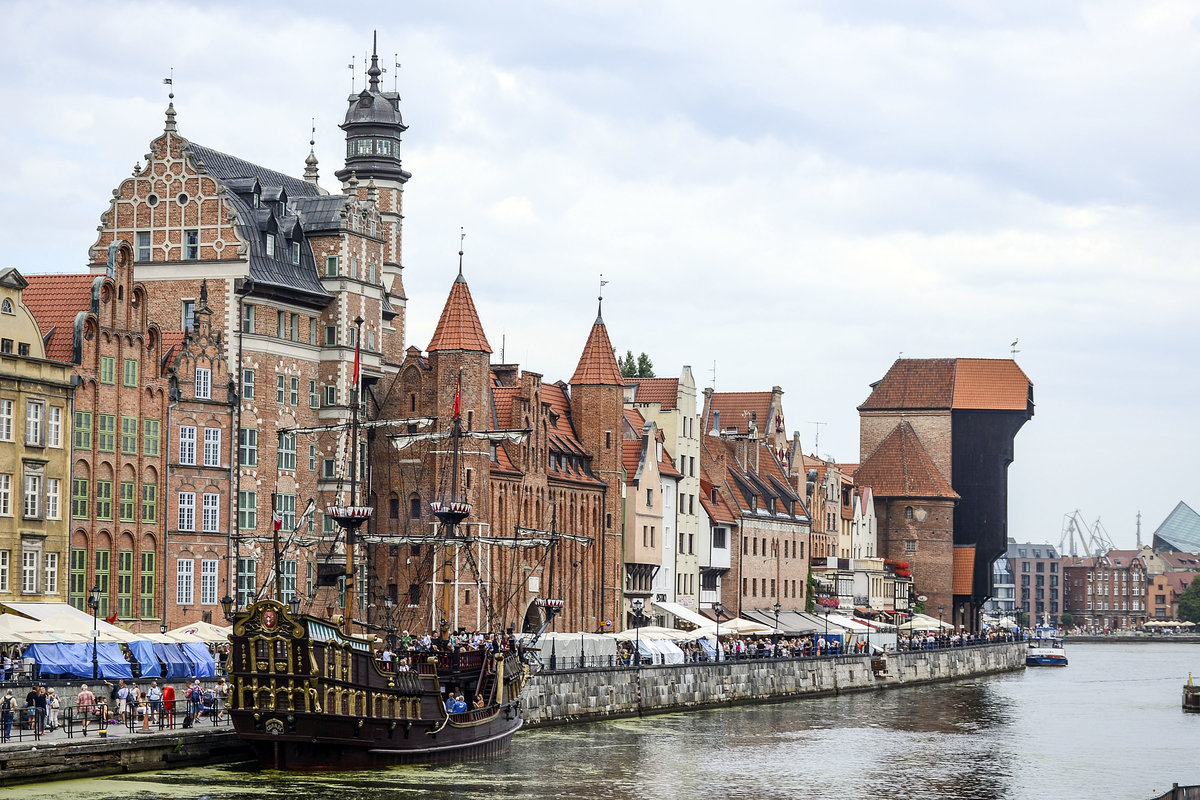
point(636, 367)
point(1189, 602)
point(1067, 620)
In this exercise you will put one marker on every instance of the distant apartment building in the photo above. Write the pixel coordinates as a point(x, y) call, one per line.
point(1164, 592)
point(1106, 593)
point(1036, 572)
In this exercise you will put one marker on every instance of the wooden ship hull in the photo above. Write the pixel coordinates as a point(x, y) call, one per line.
point(308, 697)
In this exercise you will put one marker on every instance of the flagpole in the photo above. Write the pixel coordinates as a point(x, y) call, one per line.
point(276, 523)
point(355, 404)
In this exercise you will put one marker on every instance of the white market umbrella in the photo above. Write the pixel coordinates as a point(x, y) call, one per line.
point(204, 632)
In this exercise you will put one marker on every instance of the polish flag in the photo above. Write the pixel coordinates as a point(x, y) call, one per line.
point(458, 398)
point(276, 521)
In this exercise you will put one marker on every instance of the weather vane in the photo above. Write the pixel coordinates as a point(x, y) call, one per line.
point(170, 82)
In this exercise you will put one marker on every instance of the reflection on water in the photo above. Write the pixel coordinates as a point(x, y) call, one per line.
point(1108, 726)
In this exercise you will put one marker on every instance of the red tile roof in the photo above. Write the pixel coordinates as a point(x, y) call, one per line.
point(945, 383)
point(459, 327)
point(631, 456)
point(737, 408)
point(54, 301)
point(597, 364)
point(635, 420)
point(990, 384)
point(664, 391)
point(900, 467)
point(172, 343)
point(502, 399)
point(964, 569)
point(717, 510)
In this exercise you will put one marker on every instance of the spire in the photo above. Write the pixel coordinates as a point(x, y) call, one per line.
point(459, 327)
point(375, 71)
point(170, 126)
point(597, 364)
point(310, 163)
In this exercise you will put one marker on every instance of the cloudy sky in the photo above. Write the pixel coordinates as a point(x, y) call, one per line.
point(786, 193)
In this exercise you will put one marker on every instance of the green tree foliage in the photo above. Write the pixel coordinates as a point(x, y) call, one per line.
point(636, 367)
point(1189, 602)
point(1067, 620)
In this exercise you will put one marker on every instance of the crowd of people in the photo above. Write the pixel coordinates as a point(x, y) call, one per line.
point(123, 703)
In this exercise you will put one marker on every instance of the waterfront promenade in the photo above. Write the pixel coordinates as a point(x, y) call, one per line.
point(550, 698)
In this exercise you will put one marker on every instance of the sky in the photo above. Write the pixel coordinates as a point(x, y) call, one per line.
point(777, 193)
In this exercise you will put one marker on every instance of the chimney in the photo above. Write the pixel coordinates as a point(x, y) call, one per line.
point(716, 415)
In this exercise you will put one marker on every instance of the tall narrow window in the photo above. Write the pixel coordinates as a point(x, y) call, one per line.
point(210, 521)
point(79, 497)
point(4, 567)
point(125, 583)
point(33, 495)
point(294, 391)
point(77, 578)
point(212, 447)
point(54, 426)
point(147, 588)
point(191, 245)
point(149, 502)
point(130, 372)
point(53, 498)
point(287, 579)
point(287, 451)
point(285, 504)
point(106, 433)
point(35, 430)
point(203, 384)
point(188, 316)
point(208, 581)
point(104, 498)
point(187, 444)
point(108, 369)
point(270, 245)
point(184, 576)
point(151, 431)
point(103, 573)
point(128, 501)
point(187, 511)
point(83, 428)
point(29, 571)
point(248, 447)
point(331, 266)
point(143, 245)
point(247, 318)
point(129, 433)
point(246, 586)
point(247, 384)
point(247, 510)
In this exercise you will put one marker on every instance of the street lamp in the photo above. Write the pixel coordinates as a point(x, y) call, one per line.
point(638, 605)
point(162, 628)
point(94, 604)
point(718, 609)
point(227, 606)
point(294, 605)
point(778, 608)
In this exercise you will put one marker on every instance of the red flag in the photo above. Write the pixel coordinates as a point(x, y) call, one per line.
point(458, 398)
point(111, 619)
point(276, 521)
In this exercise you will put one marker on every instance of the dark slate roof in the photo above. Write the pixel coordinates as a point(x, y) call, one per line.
point(320, 213)
point(226, 167)
point(277, 271)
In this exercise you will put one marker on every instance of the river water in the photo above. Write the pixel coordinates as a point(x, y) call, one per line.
point(1107, 726)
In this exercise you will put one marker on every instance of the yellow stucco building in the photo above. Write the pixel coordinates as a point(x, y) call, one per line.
point(35, 454)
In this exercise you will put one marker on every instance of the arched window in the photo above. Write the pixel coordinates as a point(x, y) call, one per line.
point(6, 306)
point(908, 512)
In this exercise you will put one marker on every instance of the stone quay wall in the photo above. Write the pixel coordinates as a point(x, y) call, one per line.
point(574, 696)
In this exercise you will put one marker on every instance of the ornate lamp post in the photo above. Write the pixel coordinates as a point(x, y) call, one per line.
point(227, 607)
point(94, 604)
point(778, 608)
point(294, 604)
point(718, 609)
point(638, 605)
point(162, 628)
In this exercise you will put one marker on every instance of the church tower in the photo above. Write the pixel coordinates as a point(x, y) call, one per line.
point(373, 126)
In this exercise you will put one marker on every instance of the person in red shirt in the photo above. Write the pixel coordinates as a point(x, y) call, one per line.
point(168, 701)
point(85, 703)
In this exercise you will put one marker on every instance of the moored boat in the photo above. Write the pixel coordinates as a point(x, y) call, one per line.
point(307, 696)
point(1191, 695)
point(1045, 648)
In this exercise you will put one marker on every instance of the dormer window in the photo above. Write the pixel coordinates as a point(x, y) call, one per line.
point(257, 200)
point(283, 208)
point(270, 243)
point(295, 252)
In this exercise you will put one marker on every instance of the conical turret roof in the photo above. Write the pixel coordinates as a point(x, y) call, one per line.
point(459, 327)
point(598, 364)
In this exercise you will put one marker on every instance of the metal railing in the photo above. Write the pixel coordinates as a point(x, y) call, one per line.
point(27, 723)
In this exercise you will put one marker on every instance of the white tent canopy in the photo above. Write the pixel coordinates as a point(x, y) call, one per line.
point(683, 612)
point(204, 632)
point(736, 625)
point(56, 622)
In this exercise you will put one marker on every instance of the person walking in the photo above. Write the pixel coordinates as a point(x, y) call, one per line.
point(53, 704)
point(222, 698)
point(85, 703)
point(8, 707)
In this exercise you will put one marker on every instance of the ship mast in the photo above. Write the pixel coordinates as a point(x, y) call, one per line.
point(352, 515)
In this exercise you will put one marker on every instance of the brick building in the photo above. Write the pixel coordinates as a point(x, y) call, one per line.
point(960, 417)
point(556, 484)
point(35, 454)
point(101, 324)
point(1104, 592)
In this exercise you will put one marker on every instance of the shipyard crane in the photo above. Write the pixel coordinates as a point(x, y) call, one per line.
point(1078, 536)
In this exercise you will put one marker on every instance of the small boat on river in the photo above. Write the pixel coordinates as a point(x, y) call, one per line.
point(1045, 648)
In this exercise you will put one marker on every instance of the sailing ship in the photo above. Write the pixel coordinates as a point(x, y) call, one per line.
point(308, 693)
